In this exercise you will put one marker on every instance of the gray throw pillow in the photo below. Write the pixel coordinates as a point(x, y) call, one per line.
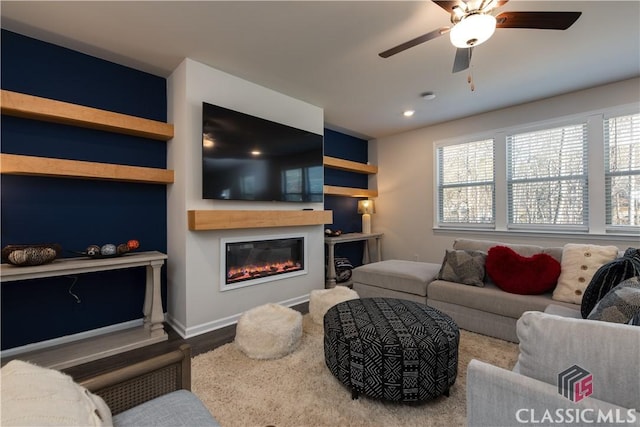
point(466, 267)
point(621, 304)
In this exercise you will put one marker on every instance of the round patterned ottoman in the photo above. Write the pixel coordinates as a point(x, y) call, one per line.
point(269, 331)
point(322, 300)
point(391, 349)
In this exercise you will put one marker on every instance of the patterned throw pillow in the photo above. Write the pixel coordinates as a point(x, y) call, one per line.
point(608, 276)
point(621, 304)
point(465, 267)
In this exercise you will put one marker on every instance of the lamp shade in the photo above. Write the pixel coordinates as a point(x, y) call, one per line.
point(473, 30)
point(366, 207)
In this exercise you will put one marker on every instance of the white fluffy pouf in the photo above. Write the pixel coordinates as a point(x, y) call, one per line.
point(269, 331)
point(322, 300)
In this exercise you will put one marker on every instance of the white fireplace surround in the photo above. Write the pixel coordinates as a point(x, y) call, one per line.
point(259, 280)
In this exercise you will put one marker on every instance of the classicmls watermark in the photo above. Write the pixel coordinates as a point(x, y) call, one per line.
point(576, 383)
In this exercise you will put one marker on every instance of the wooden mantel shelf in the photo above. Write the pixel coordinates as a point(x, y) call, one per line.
point(234, 219)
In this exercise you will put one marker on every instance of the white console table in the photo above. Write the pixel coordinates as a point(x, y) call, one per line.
point(349, 237)
point(94, 348)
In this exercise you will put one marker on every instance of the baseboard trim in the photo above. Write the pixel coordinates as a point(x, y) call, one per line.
point(193, 331)
point(41, 345)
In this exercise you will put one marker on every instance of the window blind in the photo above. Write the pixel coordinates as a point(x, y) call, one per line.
point(466, 188)
point(547, 178)
point(622, 170)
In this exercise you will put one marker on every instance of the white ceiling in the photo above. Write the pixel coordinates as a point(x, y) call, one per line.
point(326, 52)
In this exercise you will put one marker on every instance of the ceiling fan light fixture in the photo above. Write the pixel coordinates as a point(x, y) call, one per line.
point(473, 30)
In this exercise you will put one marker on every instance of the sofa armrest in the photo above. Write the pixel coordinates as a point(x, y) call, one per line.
point(498, 397)
point(132, 385)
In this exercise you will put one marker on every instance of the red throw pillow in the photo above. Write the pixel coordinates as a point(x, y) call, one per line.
point(517, 274)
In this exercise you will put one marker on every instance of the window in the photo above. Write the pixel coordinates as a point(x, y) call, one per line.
point(572, 175)
point(466, 183)
point(547, 178)
point(622, 170)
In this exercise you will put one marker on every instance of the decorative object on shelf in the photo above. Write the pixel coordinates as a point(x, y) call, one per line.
point(110, 250)
point(36, 254)
point(366, 208)
point(93, 250)
point(332, 233)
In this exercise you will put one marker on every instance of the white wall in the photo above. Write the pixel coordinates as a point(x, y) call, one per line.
point(404, 207)
point(195, 303)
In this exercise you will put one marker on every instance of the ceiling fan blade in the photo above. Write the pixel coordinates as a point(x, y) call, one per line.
point(414, 42)
point(462, 59)
point(537, 20)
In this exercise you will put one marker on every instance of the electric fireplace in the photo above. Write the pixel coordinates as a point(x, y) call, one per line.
point(247, 262)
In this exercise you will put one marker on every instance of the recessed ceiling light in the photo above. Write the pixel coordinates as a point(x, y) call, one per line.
point(408, 113)
point(428, 96)
point(256, 152)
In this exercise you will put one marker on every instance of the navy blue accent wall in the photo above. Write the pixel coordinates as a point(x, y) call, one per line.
point(73, 212)
point(345, 215)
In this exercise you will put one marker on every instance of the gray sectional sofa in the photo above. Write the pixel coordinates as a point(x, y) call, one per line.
point(487, 310)
point(532, 393)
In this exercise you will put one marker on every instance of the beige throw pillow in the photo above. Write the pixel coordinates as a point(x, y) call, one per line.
point(36, 396)
point(579, 264)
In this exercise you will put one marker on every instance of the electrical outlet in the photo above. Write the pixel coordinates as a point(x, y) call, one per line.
point(415, 257)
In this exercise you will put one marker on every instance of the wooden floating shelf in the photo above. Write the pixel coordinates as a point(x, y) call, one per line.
point(14, 164)
point(233, 219)
point(333, 190)
point(350, 166)
point(49, 110)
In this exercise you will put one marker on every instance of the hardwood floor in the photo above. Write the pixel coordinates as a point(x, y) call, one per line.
point(199, 344)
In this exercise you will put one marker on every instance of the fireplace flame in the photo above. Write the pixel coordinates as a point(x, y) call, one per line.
point(252, 271)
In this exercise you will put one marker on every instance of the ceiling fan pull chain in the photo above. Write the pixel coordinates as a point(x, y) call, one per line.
point(470, 76)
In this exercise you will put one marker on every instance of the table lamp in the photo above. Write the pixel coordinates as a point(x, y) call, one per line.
point(366, 208)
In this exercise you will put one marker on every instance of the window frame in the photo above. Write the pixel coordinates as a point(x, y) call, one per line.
point(437, 201)
point(612, 228)
point(584, 176)
point(596, 227)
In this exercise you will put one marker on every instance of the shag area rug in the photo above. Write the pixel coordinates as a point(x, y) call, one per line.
point(299, 390)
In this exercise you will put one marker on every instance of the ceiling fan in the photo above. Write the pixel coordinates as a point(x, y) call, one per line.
point(474, 23)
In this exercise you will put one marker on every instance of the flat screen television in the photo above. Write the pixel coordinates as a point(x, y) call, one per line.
point(250, 158)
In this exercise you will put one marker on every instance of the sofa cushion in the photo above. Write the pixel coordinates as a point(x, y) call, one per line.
point(466, 267)
point(524, 250)
point(36, 396)
point(621, 304)
point(490, 299)
point(177, 409)
point(550, 344)
point(608, 276)
point(399, 275)
point(579, 263)
point(518, 274)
